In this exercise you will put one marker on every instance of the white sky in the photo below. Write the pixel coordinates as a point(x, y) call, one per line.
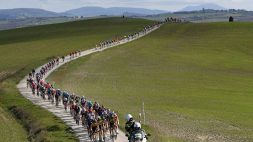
point(169, 5)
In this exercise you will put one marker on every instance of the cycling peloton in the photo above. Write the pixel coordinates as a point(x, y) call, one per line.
point(92, 114)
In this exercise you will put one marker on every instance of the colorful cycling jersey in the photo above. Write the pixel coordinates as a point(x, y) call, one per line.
point(94, 124)
point(82, 102)
point(113, 119)
point(53, 91)
point(90, 104)
point(48, 85)
point(83, 112)
point(33, 85)
point(58, 92)
point(65, 95)
point(49, 91)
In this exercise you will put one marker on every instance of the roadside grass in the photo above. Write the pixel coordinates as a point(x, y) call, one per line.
point(195, 79)
point(10, 129)
point(27, 48)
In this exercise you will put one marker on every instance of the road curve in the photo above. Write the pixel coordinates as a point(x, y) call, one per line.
point(79, 130)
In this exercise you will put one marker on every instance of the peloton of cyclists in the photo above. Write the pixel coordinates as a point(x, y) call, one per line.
point(95, 116)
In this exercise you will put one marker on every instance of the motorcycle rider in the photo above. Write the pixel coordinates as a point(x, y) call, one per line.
point(129, 126)
point(138, 133)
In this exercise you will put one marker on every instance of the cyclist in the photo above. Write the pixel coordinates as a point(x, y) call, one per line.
point(65, 97)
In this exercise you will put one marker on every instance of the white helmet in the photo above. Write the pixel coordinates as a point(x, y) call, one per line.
point(128, 117)
point(137, 125)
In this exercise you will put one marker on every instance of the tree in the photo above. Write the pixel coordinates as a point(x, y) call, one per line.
point(231, 19)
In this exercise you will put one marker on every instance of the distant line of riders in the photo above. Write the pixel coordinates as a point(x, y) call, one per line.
point(173, 20)
point(98, 119)
point(117, 40)
point(145, 29)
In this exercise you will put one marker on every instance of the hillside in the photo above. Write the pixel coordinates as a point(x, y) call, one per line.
point(113, 11)
point(25, 48)
point(24, 17)
point(195, 79)
point(6, 24)
point(203, 6)
point(207, 15)
point(21, 13)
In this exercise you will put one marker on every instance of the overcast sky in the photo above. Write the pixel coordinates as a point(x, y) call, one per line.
point(169, 5)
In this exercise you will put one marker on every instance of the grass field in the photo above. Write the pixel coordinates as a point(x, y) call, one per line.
point(26, 48)
point(10, 129)
point(195, 79)
point(34, 21)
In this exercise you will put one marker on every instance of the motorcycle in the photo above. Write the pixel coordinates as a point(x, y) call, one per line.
point(138, 137)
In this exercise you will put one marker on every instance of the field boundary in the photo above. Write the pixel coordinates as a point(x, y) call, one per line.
point(59, 111)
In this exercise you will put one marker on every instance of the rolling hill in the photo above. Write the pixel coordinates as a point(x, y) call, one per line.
point(26, 48)
point(24, 17)
point(207, 15)
point(113, 11)
point(203, 6)
point(22, 13)
point(195, 79)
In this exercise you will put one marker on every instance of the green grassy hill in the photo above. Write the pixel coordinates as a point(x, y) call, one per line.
point(195, 79)
point(26, 48)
